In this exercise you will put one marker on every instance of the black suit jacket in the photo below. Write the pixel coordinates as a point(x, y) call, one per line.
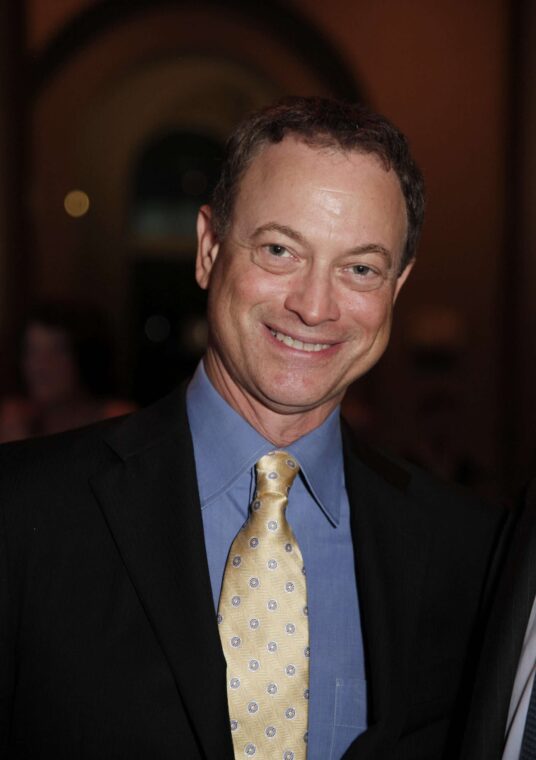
point(108, 642)
point(504, 638)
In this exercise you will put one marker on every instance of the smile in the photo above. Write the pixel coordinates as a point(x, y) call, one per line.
point(298, 344)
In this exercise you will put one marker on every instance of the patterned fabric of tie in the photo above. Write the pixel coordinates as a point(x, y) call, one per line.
point(263, 624)
point(528, 747)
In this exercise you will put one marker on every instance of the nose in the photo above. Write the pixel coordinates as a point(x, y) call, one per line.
point(313, 299)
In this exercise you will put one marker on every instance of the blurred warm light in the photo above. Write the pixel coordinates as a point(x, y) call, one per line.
point(76, 203)
point(435, 326)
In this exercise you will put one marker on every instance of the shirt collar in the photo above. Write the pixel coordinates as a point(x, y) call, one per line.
point(217, 428)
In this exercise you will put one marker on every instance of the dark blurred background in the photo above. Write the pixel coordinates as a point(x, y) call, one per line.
point(112, 118)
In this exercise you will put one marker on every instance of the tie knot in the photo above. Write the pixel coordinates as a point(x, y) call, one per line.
point(276, 472)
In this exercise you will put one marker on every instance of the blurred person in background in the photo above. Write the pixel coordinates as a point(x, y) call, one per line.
point(65, 367)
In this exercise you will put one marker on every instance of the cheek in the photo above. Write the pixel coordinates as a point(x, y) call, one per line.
point(239, 293)
point(368, 311)
point(229, 305)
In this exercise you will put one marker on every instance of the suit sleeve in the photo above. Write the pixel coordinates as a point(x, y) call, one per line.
point(6, 660)
point(7, 616)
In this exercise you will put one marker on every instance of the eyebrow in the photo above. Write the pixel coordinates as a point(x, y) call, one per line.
point(282, 228)
point(373, 248)
point(299, 238)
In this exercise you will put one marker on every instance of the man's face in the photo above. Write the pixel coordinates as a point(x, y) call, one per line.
point(291, 325)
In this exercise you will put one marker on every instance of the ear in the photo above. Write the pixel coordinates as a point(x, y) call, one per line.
point(401, 279)
point(207, 247)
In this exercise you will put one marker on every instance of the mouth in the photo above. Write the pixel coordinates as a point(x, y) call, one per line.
point(299, 345)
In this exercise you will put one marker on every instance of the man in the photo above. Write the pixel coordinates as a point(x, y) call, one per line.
point(502, 721)
point(125, 631)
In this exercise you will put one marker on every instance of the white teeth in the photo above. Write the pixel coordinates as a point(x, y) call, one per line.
point(300, 345)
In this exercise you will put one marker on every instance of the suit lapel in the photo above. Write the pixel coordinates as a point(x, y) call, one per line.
point(150, 501)
point(390, 553)
point(506, 630)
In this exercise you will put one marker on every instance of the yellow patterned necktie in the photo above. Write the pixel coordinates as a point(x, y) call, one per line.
point(263, 624)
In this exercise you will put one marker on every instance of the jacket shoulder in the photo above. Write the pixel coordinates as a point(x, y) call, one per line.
point(64, 453)
point(435, 499)
point(86, 450)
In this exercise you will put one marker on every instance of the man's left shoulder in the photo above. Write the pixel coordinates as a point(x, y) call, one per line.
point(433, 501)
point(449, 501)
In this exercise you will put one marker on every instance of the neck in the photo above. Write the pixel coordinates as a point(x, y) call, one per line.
point(279, 427)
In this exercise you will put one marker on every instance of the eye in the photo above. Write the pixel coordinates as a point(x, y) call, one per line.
point(277, 250)
point(364, 276)
point(275, 258)
point(362, 270)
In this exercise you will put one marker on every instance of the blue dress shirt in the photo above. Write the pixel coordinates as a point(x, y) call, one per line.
point(226, 448)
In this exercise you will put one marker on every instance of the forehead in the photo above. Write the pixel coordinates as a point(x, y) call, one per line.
point(321, 189)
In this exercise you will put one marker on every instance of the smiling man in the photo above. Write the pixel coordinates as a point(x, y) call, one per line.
point(228, 573)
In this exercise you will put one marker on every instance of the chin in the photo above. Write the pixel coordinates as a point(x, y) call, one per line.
point(296, 399)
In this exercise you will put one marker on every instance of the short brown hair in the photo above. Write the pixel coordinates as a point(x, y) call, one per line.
point(323, 123)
